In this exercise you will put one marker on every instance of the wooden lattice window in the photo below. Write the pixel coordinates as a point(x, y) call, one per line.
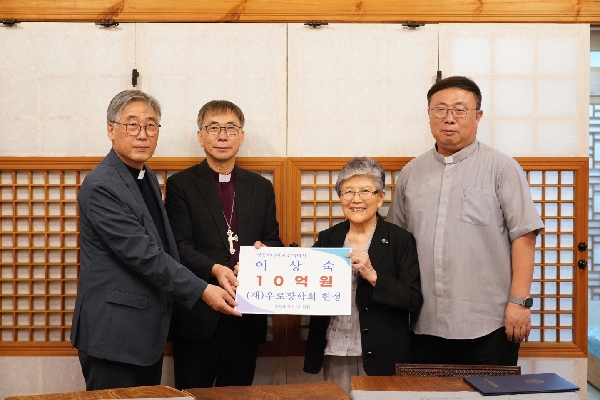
point(320, 207)
point(559, 190)
point(39, 255)
point(39, 248)
point(553, 287)
point(594, 204)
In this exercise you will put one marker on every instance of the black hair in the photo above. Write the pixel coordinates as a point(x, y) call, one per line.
point(459, 82)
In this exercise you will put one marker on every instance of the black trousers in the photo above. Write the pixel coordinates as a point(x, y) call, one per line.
point(491, 349)
point(105, 374)
point(228, 358)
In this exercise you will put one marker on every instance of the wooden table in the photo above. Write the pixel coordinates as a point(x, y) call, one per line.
point(410, 383)
point(306, 390)
point(124, 393)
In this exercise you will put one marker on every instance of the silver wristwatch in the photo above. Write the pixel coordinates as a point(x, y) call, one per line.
point(526, 302)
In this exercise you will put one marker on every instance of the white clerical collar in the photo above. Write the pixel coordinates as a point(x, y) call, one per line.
point(141, 174)
point(458, 156)
point(225, 178)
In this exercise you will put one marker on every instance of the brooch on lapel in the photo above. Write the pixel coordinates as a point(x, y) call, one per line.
point(384, 241)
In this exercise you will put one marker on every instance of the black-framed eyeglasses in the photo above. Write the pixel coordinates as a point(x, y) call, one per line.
point(457, 112)
point(133, 129)
point(364, 194)
point(215, 129)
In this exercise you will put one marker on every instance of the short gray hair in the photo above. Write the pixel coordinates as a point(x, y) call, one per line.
point(215, 107)
point(361, 166)
point(113, 114)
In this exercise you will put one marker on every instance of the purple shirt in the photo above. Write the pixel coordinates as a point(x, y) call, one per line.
point(226, 192)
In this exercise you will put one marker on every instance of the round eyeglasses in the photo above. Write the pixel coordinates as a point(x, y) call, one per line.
point(133, 129)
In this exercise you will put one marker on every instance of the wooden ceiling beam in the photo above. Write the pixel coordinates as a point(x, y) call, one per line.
point(372, 11)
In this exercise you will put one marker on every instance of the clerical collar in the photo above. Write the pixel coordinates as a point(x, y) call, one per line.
point(220, 178)
point(458, 156)
point(136, 173)
point(225, 178)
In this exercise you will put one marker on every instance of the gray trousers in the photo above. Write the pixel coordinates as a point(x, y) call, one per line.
point(339, 369)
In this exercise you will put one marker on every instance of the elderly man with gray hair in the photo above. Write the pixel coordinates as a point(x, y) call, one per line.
point(130, 273)
point(386, 286)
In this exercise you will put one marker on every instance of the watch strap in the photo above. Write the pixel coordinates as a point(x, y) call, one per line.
point(521, 301)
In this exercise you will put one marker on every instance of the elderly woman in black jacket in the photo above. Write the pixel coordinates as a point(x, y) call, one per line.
point(386, 286)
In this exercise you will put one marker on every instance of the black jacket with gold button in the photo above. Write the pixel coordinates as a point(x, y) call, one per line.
point(385, 309)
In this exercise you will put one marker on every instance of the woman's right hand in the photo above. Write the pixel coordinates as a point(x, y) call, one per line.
point(361, 262)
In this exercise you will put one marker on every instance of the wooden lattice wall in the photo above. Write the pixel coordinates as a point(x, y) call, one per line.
point(39, 254)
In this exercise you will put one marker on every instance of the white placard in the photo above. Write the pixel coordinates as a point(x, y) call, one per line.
point(294, 280)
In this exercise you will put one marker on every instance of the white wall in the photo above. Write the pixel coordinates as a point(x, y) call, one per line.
point(535, 83)
point(339, 90)
point(357, 90)
point(56, 81)
point(187, 65)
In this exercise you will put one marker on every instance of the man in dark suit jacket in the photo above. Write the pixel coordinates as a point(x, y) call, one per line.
point(214, 208)
point(130, 273)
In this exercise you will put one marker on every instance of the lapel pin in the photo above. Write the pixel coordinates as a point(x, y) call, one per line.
point(384, 241)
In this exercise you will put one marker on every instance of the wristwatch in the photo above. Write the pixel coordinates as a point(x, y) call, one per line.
point(527, 302)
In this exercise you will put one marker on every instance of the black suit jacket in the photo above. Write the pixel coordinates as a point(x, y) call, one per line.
point(384, 309)
point(127, 281)
point(196, 216)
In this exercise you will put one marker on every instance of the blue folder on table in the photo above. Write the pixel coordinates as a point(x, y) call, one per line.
point(515, 384)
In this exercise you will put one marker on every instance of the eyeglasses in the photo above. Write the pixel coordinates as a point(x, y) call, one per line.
point(457, 112)
point(215, 129)
point(135, 129)
point(364, 194)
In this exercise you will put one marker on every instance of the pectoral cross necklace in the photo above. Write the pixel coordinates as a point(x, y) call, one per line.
point(230, 236)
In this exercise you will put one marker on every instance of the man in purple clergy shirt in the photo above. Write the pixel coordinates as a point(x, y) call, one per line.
point(214, 208)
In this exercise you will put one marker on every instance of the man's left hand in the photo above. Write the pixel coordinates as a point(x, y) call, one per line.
point(257, 245)
point(517, 321)
point(226, 278)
